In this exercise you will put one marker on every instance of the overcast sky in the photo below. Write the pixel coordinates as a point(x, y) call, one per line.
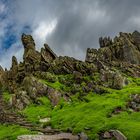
point(68, 26)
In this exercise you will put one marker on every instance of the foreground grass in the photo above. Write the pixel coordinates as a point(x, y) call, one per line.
point(34, 112)
point(6, 96)
point(10, 132)
point(93, 114)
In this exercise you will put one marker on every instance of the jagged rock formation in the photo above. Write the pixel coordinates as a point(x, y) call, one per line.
point(33, 61)
point(124, 48)
point(115, 57)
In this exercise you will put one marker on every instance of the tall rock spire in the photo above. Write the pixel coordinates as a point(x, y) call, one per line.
point(14, 61)
point(28, 43)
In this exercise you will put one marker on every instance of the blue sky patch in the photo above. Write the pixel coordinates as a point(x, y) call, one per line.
point(9, 40)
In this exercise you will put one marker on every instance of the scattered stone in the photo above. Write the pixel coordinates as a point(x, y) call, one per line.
point(112, 134)
point(44, 120)
point(107, 135)
point(134, 102)
point(82, 136)
point(117, 110)
point(118, 135)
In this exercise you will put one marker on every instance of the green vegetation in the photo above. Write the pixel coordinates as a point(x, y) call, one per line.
point(62, 84)
point(6, 96)
point(34, 112)
point(56, 85)
point(10, 132)
point(93, 113)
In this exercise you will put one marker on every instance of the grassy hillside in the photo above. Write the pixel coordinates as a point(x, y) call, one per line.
point(92, 113)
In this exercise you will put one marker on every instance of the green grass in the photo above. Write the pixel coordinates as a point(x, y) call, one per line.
point(56, 85)
point(94, 114)
point(6, 96)
point(10, 132)
point(34, 112)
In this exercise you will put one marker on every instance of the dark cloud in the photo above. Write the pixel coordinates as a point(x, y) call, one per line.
point(70, 26)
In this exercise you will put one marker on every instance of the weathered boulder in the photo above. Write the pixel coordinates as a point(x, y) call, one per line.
point(113, 79)
point(54, 96)
point(34, 87)
point(119, 81)
point(20, 100)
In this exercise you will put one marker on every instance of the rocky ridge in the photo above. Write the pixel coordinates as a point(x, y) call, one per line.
point(112, 61)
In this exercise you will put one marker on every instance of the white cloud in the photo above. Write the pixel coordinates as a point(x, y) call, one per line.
point(2, 8)
point(43, 30)
point(6, 56)
point(73, 51)
point(135, 20)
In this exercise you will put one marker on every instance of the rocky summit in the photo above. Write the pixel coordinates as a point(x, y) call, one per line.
point(50, 97)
